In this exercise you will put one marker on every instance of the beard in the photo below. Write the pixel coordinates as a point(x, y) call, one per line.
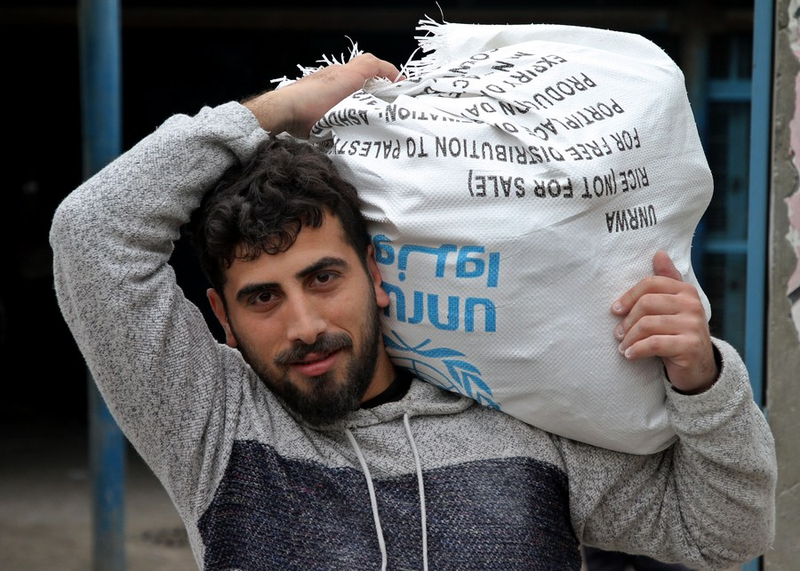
point(324, 398)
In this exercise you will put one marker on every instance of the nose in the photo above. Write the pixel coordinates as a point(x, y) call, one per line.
point(305, 323)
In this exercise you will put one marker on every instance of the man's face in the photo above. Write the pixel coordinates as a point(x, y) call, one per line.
point(307, 321)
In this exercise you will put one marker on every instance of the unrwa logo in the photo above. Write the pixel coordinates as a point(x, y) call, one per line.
point(459, 268)
point(440, 366)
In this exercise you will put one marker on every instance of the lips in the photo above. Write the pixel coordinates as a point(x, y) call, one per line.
point(316, 364)
point(317, 358)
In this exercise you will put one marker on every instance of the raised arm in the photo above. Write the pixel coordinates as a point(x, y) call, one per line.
point(150, 351)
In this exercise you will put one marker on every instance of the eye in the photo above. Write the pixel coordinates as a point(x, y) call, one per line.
point(323, 279)
point(263, 298)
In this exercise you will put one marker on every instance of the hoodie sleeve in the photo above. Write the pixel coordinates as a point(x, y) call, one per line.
point(707, 501)
point(156, 363)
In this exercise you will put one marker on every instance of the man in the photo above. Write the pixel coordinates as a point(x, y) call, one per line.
point(305, 448)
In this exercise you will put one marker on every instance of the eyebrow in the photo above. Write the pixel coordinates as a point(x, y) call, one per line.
point(321, 264)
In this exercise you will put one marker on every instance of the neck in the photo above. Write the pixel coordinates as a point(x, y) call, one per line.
point(385, 373)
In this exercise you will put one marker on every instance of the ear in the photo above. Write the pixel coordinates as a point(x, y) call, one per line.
point(375, 274)
point(218, 306)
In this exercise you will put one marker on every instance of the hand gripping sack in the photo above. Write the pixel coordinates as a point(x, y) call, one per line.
point(516, 183)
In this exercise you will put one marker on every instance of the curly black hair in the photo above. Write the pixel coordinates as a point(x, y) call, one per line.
point(260, 206)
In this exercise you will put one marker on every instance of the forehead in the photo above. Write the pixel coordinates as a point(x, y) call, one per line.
point(311, 245)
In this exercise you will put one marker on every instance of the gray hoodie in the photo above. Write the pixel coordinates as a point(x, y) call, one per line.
point(434, 480)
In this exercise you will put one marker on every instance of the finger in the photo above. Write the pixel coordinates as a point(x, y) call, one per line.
point(664, 346)
point(677, 351)
point(663, 266)
point(644, 287)
point(371, 66)
point(664, 271)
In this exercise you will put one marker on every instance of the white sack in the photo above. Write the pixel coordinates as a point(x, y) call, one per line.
point(516, 183)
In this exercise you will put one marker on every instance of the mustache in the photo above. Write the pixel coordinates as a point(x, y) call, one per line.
point(327, 343)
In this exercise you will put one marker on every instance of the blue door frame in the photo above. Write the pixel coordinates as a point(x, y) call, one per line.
point(758, 198)
point(99, 40)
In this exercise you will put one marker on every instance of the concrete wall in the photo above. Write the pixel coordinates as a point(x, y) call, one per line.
point(783, 314)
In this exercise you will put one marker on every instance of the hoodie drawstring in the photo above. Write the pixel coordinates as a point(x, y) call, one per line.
point(423, 513)
point(374, 501)
point(372, 497)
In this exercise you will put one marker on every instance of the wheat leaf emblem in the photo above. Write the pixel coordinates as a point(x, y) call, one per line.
point(441, 366)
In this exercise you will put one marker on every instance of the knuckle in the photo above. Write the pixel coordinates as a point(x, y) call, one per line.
point(648, 325)
point(658, 345)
